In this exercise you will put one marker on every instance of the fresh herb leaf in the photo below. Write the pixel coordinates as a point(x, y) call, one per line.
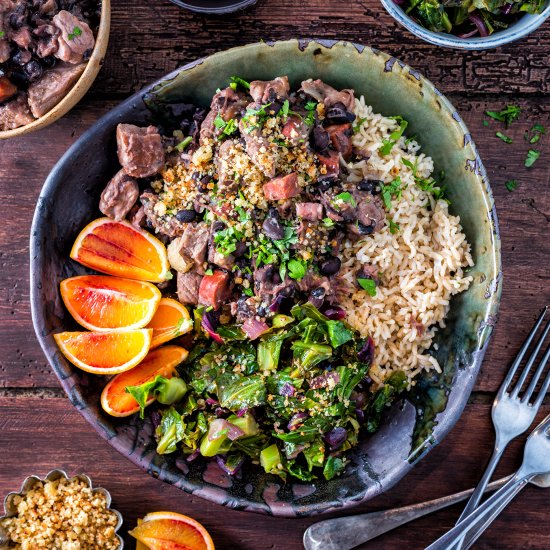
point(2, 34)
point(532, 156)
point(394, 227)
point(219, 122)
point(535, 133)
point(388, 143)
point(226, 240)
point(344, 197)
point(367, 284)
point(503, 137)
point(391, 190)
point(285, 109)
point(358, 123)
point(310, 106)
point(77, 31)
point(296, 269)
point(327, 222)
point(511, 185)
point(240, 82)
point(507, 115)
point(485, 123)
point(209, 272)
point(183, 144)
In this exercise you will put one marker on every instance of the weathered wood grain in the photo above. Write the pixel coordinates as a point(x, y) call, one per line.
point(155, 37)
point(524, 218)
point(55, 435)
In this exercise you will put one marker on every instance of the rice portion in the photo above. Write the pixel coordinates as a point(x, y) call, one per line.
point(420, 266)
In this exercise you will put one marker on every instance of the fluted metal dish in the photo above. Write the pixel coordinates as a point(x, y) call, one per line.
point(10, 508)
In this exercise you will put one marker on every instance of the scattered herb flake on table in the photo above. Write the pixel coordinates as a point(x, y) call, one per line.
point(532, 156)
point(512, 185)
point(503, 137)
point(507, 115)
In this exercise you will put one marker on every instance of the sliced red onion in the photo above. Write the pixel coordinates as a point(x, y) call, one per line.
point(221, 460)
point(468, 34)
point(220, 426)
point(297, 420)
point(336, 437)
point(360, 414)
point(477, 20)
point(335, 313)
point(276, 304)
point(324, 380)
point(297, 450)
point(193, 455)
point(287, 390)
point(210, 401)
point(241, 412)
point(359, 398)
point(209, 323)
point(156, 418)
point(366, 353)
point(254, 328)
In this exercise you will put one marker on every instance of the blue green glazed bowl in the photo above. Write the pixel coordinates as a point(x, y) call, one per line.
point(69, 200)
point(524, 26)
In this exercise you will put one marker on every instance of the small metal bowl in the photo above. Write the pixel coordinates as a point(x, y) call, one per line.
point(10, 509)
point(214, 7)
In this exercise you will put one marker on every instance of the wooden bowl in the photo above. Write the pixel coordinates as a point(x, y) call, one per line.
point(83, 84)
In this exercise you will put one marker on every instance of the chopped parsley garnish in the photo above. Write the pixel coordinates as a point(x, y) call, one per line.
point(238, 81)
point(77, 31)
point(260, 114)
point(511, 185)
point(227, 128)
point(430, 185)
point(226, 240)
point(248, 291)
point(503, 137)
point(209, 272)
point(507, 115)
point(285, 109)
point(485, 123)
point(296, 268)
point(388, 143)
point(219, 122)
point(394, 227)
point(532, 156)
point(310, 106)
point(367, 284)
point(358, 123)
point(391, 190)
point(183, 144)
point(343, 198)
point(535, 133)
point(2, 34)
point(327, 222)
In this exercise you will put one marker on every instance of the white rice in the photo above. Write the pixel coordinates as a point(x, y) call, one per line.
point(421, 266)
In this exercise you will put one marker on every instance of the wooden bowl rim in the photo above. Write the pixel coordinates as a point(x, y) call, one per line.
point(82, 85)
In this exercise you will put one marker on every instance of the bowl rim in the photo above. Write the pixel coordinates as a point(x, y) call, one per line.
point(456, 402)
point(235, 6)
point(446, 40)
point(30, 481)
point(81, 86)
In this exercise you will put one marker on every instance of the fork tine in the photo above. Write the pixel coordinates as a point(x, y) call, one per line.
point(531, 361)
point(522, 352)
point(545, 384)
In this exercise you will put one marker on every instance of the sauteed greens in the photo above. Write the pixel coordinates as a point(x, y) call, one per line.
point(468, 18)
point(294, 400)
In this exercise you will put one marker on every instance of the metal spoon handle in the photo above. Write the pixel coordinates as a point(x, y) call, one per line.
point(351, 531)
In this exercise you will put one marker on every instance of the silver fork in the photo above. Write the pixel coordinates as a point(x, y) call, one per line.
point(536, 461)
point(512, 415)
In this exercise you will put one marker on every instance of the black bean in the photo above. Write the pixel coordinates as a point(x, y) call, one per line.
point(186, 216)
point(320, 140)
point(327, 182)
point(33, 70)
point(272, 226)
point(240, 249)
point(371, 186)
point(363, 229)
point(338, 114)
point(330, 266)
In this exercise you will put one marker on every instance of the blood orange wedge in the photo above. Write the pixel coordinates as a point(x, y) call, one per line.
point(170, 321)
point(118, 248)
point(159, 362)
point(100, 302)
point(105, 352)
point(171, 531)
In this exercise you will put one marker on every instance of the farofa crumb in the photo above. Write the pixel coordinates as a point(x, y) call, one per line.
point(62, 514)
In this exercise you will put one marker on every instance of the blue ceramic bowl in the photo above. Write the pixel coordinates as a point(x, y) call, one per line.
point(524, 26)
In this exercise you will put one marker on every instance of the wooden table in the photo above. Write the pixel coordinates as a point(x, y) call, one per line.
point(40, 430)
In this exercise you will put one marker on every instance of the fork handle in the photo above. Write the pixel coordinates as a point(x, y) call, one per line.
point(471, 505)
point(467, 531)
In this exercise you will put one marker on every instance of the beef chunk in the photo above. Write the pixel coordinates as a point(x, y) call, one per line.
point(140, 150)
point(75, 37)
point(226, 103)
point(328, 95)
point(15, 113)
point(340, 138)
point(188, 287)
point(311, 211)
point(283, 187)
point(369, 214)
point(194, 244)
point(268, 91)
point(168, 226)
point(119, 196)
point(4, 50)
point(47, 92)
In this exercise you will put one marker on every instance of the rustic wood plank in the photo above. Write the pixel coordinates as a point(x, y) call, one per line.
point(77, 448)
point(523, 216)
point(150, 39)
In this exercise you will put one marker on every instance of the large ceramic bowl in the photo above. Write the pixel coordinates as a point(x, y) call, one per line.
point(69, 201)
point(524, 26)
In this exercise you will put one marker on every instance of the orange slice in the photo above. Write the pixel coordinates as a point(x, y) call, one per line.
point(170, 321)
point(172, 531)
point(105, 352)
point(118, 248)
point(100, 302)
point(159, 362)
